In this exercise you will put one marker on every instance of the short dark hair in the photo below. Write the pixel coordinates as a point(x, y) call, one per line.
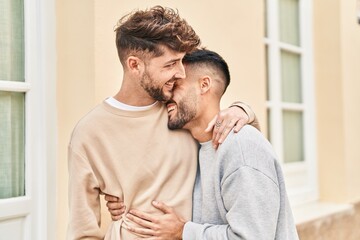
point(146, 30)
point(212, 59)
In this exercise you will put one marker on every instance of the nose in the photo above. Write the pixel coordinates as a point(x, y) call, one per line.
point(181, 71)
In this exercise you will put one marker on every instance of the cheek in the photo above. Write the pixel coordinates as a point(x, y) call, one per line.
point(177, 93)
point(183, 98)
point(160, 79)
point(167, 75)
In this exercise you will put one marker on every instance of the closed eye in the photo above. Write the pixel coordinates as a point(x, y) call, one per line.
point(172, 64)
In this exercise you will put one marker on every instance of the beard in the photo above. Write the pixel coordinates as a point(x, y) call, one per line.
point(156, 92)
point(186, 111)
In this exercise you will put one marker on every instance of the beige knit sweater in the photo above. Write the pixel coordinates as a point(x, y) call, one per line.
point(131, 155)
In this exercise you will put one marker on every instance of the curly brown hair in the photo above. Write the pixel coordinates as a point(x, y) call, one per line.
point(144, 31)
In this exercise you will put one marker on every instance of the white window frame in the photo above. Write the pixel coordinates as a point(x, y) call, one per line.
point(358, 11)
point(301, 177)
point(38, 206)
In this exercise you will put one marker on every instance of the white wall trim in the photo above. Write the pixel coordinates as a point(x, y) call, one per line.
point(40, 72)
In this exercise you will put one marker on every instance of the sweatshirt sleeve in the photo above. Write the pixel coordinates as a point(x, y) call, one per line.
point(84, 199)
point(252, 201)
point(253, 120)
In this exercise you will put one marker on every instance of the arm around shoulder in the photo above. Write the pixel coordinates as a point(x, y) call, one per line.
point(253, 121)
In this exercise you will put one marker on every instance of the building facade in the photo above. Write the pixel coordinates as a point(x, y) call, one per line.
point(296, 62)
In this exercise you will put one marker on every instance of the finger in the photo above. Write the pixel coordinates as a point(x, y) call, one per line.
point(211, 124)
point(116, 218)
point(239, 125)
point(214, 142)
point(143, 231)
point(220, 131)
point(162, 206)
point(143, 215)
point(117, 212)
point(140, 221)
point(115, 205)
point(216, 132)
point(218, 124)
point(148, 238)
point(111, 198)
point(227, 130)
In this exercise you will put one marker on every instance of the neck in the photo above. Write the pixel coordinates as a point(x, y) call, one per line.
point(198, 126)
point(132, 94)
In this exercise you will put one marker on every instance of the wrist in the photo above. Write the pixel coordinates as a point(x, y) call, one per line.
point(246, 108)
point(179, 234)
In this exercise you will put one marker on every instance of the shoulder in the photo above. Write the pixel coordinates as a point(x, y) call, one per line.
point(87, 123)
point(249, 149)
point(247, 140)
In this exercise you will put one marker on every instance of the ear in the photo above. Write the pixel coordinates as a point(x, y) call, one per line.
point(205, 84)
point(134, 63)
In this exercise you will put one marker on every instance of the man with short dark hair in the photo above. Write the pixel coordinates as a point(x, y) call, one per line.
point(239, 191)
point(123, 147)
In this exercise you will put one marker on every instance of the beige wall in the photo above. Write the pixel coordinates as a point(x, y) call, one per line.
point(337, 74)
point(75, 85)
point(351, 86)
point(89, 71)
point(328, 69)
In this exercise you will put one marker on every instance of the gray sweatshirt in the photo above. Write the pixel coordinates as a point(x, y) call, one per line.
point(240, 192)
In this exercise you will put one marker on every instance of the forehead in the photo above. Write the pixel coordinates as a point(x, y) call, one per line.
point(191, 77)
point(168, 55)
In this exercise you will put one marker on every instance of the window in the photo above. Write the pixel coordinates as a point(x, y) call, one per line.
point(290, 100)
point(27, 77)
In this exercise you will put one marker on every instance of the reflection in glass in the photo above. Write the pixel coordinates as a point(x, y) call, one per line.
point(12, 144)
point(291, 77)
point(293, 137)
point(12, 40)
point(289, 22)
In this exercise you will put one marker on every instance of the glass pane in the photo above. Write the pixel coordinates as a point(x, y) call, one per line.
point(12, 144)
point(265, 19)
point(12, 40)
point(291, 77)
point(293, 137)
point(268, 112)
point(289, 21)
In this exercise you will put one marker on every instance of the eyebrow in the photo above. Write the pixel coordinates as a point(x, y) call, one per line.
point(173, 60)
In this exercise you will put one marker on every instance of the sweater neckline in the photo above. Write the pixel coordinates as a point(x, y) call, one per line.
point(141, 113)
point(206, 145)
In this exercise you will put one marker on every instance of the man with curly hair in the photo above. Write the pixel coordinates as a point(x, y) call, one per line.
point(123, 147)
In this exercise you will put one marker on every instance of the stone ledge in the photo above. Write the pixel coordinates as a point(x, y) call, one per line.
point(317, 210)
point(328, 221)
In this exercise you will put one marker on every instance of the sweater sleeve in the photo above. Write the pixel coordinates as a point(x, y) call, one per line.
point(252, 201)
point(253, 120)
point(84, 199)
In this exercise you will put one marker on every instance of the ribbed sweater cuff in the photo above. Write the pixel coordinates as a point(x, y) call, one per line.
point(246, 109)
point(190, 230)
